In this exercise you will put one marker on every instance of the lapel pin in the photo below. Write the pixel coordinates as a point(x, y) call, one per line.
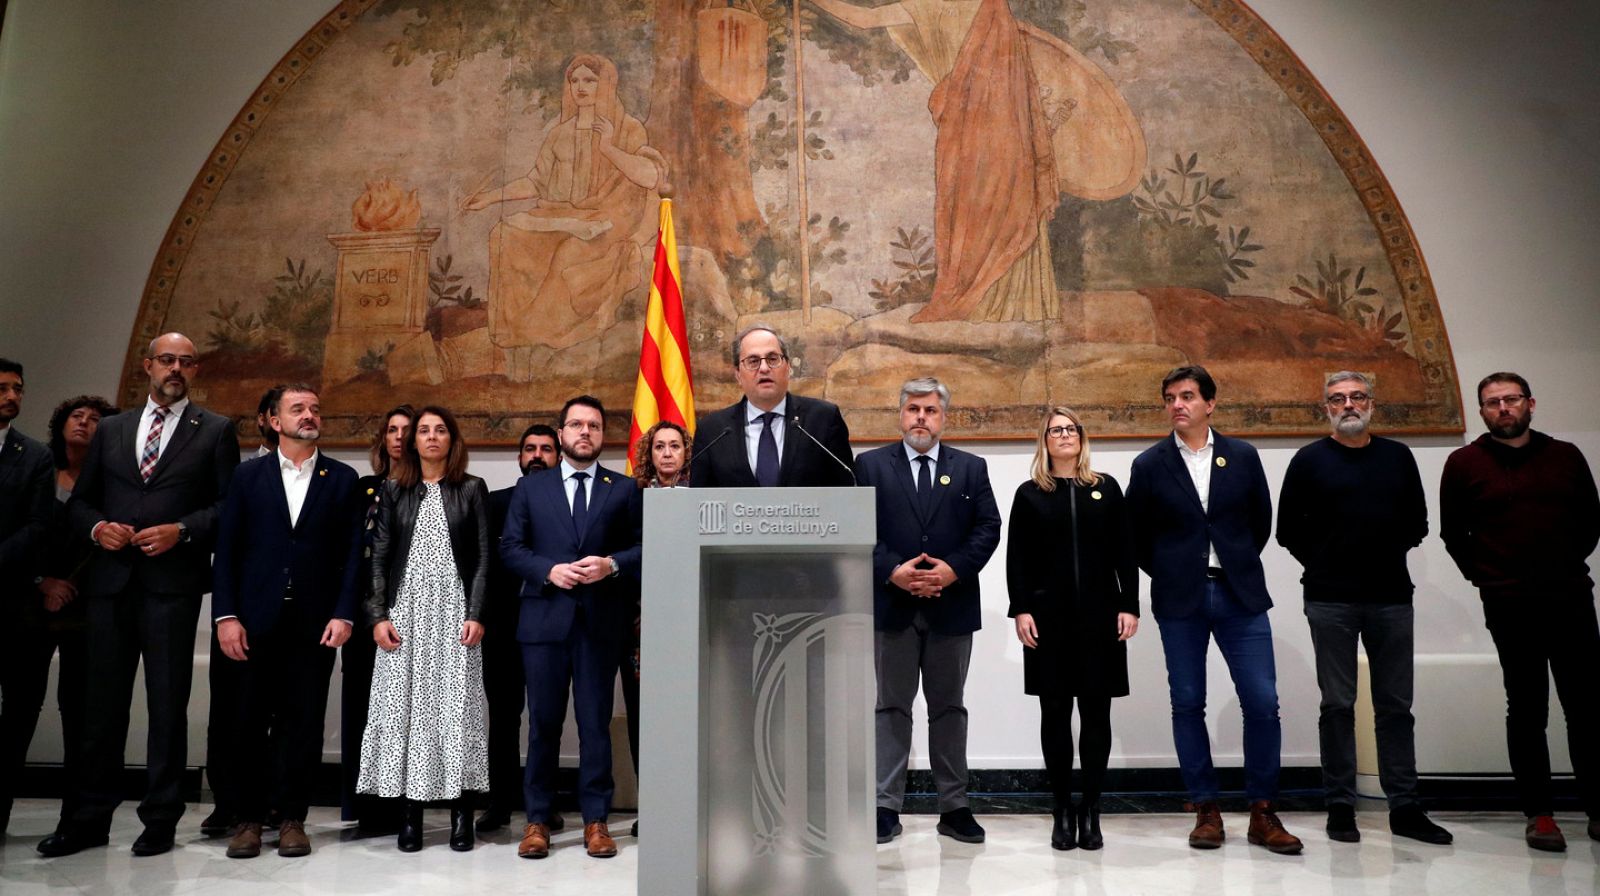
point(322, 472)
point(606, 479)
point(371, 491)
point(194, 421)
point(1095, 494)
point(1222, 461)
point(945, 479)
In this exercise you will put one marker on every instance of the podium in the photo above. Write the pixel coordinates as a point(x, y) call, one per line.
point(757, 693)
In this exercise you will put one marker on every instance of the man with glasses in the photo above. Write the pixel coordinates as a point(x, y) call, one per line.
point(149, 497)
point(1519, 513)
point(572, 536)
point(770, 438)
point(1202, 513)
point(1350, 509)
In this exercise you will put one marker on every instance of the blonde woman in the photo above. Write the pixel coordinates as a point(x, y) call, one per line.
point(1074, 586)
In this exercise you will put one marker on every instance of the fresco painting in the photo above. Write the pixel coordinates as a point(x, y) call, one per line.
point(1039, 201)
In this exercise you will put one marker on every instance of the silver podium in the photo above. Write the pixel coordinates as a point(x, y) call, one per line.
point(757, 693)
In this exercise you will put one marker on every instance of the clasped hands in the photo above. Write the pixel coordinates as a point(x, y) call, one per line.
point(152, 541)
point(923, 582)
point(586, 571)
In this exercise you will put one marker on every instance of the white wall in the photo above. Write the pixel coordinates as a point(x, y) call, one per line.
point(1481, 114)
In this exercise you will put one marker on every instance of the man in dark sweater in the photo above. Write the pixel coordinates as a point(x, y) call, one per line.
point(1520, 515)
point(1350, 509)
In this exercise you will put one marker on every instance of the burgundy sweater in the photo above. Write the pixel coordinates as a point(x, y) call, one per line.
point(1520, 521)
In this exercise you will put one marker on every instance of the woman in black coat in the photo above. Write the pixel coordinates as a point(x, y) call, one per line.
point(1074, 588)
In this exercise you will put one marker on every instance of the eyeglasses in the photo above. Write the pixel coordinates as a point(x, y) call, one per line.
point(1061, 432)
point(1510, 402)
point(188, 362)
point(583, 426)
point(754, 362)
point(1339, 401)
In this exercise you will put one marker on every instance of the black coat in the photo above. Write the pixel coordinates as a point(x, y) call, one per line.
point(466, 510)
point(27, 493)
point(1070, 563)
point(720, 459)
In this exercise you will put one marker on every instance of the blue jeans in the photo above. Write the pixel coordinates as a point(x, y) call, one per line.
point(1245, 639)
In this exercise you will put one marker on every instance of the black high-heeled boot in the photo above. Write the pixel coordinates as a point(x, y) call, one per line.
point(410, 839)
point(1089, 826)
point(1064, 832)
point(462, 833)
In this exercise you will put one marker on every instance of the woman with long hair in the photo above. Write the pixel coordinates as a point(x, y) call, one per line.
point(360, 652)
point(661, 456)
point(1074, 587)
point(426, 739)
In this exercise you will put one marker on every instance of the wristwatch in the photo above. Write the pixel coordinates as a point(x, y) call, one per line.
point(183, 533)
point(615, 569)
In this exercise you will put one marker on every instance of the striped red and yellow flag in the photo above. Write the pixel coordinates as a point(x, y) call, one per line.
point(665, 389)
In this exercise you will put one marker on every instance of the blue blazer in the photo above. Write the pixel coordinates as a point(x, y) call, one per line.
point(539, 534)
point(962, 528)
point(1172, 531)
point(259, 554)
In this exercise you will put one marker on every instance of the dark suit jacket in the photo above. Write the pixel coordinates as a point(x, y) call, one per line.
point(259, 555)
point(1172, 531)
point(188, 486)
point(539, 534)
point(962, 528)
point(726, 464)
point(503, 601)
point(27, 499)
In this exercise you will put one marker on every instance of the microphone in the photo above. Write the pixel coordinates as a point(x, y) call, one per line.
point(706, 450)
point(817, 442)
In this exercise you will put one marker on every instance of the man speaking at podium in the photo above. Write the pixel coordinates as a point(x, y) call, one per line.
point(769, 437)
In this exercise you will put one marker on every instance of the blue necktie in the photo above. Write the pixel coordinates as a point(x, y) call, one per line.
point(767, 453)
point(580, 505)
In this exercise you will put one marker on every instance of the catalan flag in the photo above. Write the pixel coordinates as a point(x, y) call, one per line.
point(665, 389)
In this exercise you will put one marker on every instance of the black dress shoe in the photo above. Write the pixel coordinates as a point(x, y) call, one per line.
point(634, 831)
point(153, 842)
point(888, 824)
point(493, 820)
point(1089, 826)
point(410, 839)
point(1342, 823)
point(1064, 828)
point(1412, 822)
point(462, 835)
point(219, 823)
point(960, 825)
point(63, 843)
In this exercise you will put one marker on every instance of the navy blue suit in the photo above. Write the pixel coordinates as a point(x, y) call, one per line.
point(572, 637)
point(1193, 605)
point(1172, 531)
point(927, 637)
point(283, 582)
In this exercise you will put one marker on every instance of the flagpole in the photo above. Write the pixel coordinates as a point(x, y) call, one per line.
point(800, 170)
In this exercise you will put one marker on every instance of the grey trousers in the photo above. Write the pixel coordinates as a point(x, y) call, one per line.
point(941, 663)
point(1386, 632)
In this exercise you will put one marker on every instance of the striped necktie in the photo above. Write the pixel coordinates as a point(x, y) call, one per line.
point(152, 443)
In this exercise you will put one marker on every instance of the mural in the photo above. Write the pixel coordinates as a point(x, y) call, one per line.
point(1039, 201)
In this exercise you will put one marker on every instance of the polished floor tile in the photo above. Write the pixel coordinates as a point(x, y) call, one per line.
point(1144, 854)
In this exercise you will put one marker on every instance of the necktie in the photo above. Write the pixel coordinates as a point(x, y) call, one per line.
point(152, 444)
point(767, 453)
point(924, 481)
point(580, 505)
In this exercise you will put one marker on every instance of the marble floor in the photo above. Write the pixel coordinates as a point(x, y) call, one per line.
point(1144, 854)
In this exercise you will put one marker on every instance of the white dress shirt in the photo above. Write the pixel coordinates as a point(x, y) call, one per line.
point(168, 426)
point(296, 482)
point(1199, 464)
point(912, 455)
point(571, 485)
point(752, 429)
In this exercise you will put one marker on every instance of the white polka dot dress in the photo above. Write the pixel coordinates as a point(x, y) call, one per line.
point(425, 732)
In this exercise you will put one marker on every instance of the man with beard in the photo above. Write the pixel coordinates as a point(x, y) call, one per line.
point(937, 526)
point(151, 488)
point(1520, 516)
point(502, 655)
point(288, 552)
point(572, 537)
point(1350, 509)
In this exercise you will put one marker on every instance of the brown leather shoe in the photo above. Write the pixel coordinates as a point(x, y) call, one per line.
point(1266, 830)
point(597, 840)
point(246, 842)
point(1543, 833)
point(1207, 833)
point(535, 841)
point(292, 839)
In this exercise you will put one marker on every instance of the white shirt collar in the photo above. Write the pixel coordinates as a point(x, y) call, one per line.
point(753, 413)
point(567, 469)
point(176, 409)
point(912, 455)
point(287, 465)
point(1184, 446)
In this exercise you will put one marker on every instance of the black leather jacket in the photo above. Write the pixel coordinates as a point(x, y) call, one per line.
point(466, 509)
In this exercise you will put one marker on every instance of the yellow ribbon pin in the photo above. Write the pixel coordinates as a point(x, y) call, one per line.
point(1222, 461)
point(945, 479)
point(1095, 494)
